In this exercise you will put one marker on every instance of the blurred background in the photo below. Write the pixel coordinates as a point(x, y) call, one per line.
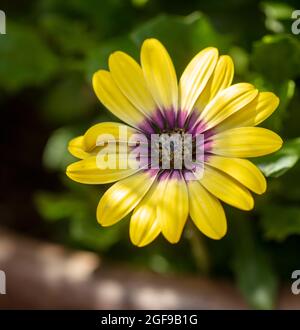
point(47, 57)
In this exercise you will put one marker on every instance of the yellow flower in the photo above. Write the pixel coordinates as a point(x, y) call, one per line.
point(151, 101)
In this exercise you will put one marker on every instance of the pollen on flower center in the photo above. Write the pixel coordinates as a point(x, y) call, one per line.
point(175, 149)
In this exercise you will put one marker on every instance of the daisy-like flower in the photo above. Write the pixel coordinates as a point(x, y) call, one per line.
point(149, 99)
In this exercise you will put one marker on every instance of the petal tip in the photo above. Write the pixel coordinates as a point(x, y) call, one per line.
point(278, 142)
point(70, 171)
point(171, 238)
point(113, 57)
point(219, 235)
point(100, 74)
point(173, 241)
point(151, 40)
point(249, 207)
point(263, 188)
point(276, 101)
point(261, 191)
point(151, 44)
point(139, 244)
point(101, 219)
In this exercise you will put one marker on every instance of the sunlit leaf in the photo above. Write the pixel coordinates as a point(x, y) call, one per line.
point(279, 163)
point(276, 13)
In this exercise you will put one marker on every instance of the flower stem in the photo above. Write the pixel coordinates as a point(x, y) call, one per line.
point(198, 249)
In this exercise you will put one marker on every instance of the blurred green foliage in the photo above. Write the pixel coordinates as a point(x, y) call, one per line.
point(54, 48)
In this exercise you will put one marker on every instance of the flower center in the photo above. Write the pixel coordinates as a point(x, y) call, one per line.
point(175, 149)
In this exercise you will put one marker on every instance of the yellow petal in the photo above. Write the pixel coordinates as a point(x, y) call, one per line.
point(195, 77)
point(252, 114)
point(243, 142)
point(76, 148)
point(173, 206)
point(226, 188)
point(220, 79)
point(101, 132)
point(227, 102)
point(129, 77)
point(144, 225)
point(242, 170)
point(87, 171)
point(206, 211)
point(160, 74)
point(114, 100)
point(121, 198)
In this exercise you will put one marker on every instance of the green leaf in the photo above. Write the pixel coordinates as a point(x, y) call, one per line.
point(68, 101)
point(97, 58)
point(183, 36)
point(56, 155)
point(280, 227)
point(277, 10)
point(241, 60)
point(277, 57)
point(279, 163)
point(25, 59)
point(83, 227)
point(194, 32)
point(68, 35)
point(284, 89)
point(254, 272)
point(276, 13)
point(85, 230)
point(54, 207)
point(256, 279)
point(139, 3)
point(99, 15)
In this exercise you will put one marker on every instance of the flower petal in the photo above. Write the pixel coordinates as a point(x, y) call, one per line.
point(173, 206)
point(144, 225)
point(76, 148)
point(103, 131)
point(87, 171)
point(227, 102)
point(242, 170)
point(195, 77)
point(206, 211)
point(226, 188)
point(253, 113)
point(129, 77)
point(160, 74)
point(220, 79)
point(114, 100)
point(244, 142)
point(121, 198)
